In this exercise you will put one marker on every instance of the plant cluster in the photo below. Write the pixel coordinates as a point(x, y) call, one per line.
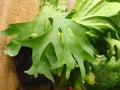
point(81, 46)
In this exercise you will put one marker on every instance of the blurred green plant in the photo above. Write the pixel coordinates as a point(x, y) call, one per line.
point(80, 46)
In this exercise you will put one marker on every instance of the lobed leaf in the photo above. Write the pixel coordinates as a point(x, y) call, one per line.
point(59, 39)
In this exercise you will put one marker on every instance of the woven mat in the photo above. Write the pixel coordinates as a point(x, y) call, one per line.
point(15, 11)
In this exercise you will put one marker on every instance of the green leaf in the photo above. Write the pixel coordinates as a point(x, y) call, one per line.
point(29, 29)
point(53, 2)
point(67, 51)
point(43, 68)
point(93, 13)
point(37, 35)
point(12, 49)
point(60, 40)
point(114, 47)
point(106, 76)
